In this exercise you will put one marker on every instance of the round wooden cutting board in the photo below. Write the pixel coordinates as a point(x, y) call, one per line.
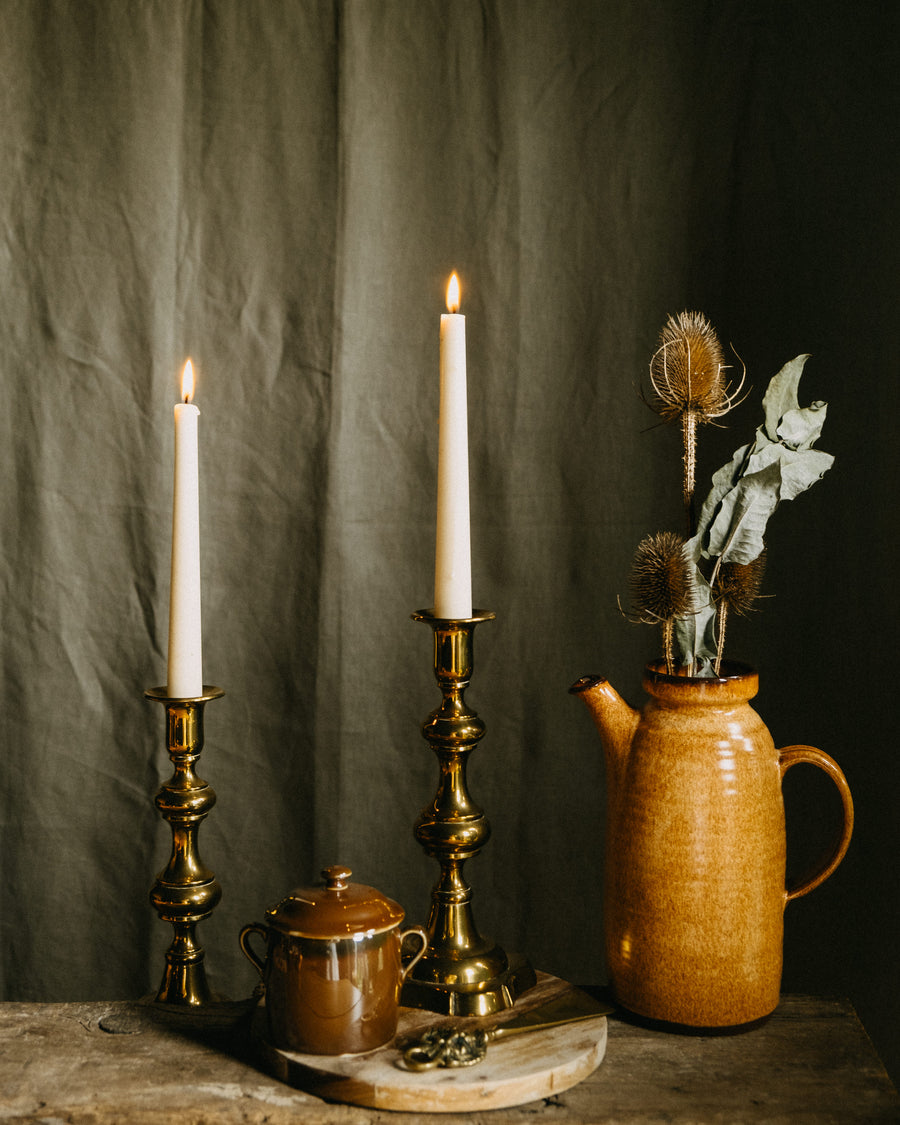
point(518, 1069)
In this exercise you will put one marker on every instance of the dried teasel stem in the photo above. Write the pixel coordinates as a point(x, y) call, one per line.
point(668, 630)
point(689, 434)
point(721, 622)
point(736, 586)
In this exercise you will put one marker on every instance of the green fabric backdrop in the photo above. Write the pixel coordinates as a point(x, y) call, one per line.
point(280, 189)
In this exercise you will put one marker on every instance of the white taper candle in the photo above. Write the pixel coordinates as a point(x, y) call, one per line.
point(185, 638)
point(453, 557)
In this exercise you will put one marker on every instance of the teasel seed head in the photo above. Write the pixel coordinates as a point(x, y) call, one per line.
point(738, 585)
point(687, 370)
point(663, 586)
point(662, 578)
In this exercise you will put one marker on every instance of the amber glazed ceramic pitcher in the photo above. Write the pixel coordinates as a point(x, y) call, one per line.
point(695, 851)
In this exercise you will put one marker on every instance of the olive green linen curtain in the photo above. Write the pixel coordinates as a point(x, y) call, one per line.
point(279, 190)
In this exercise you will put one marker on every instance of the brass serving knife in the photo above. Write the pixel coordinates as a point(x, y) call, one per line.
point(448, 1045)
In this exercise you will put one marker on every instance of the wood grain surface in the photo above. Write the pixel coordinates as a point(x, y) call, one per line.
point(811, 1062)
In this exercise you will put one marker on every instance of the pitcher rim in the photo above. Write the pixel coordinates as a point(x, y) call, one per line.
point(733, 672)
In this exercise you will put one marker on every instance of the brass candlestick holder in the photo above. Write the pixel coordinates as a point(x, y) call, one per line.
point(461, 972)
point(186, 892)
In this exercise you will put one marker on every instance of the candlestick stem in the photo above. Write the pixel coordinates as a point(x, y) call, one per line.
point(186, 892)
point(461, 973)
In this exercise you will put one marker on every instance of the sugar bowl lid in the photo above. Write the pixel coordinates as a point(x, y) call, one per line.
point(339, 909)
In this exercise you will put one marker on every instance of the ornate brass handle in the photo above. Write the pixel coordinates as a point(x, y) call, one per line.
point(446, 1047)
point(449, 1045)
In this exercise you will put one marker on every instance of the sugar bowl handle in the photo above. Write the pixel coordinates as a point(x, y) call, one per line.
point(249, 952)
point(413, 931)
point(792, 756)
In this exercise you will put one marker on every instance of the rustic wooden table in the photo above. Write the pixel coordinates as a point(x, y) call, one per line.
point(114, 1064)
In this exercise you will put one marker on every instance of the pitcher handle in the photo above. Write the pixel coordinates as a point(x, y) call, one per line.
point(249, 952)
point(792, 756)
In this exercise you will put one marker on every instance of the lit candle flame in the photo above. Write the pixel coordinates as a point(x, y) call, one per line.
point(187, 383)
point(453, 294)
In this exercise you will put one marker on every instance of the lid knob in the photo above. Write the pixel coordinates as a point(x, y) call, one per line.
point(336, 878)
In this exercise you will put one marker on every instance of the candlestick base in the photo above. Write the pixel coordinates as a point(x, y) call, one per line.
point(186, 892)
point(494, 984)
point(461, 973)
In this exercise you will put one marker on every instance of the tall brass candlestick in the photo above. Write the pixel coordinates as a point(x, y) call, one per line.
point(186, 891)
point(461, 972)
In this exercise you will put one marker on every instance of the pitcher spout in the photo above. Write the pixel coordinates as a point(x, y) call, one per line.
point(616, 722)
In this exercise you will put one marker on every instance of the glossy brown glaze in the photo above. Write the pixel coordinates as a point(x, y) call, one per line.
point(695, 852)
point(333, 998)
point(332, 969)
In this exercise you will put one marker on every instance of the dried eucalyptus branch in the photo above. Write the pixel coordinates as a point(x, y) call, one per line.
point(690, 588)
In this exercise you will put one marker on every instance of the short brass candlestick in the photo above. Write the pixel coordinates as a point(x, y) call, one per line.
point(186, 891)
point(461, 973)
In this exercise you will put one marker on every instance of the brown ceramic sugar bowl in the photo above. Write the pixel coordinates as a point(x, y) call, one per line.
point(332, 969)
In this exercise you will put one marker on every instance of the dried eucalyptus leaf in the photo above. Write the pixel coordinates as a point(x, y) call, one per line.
point(781, 395)
point(695, 633)
point(778, 466)
point(801, 468)
point(695, 637)
point(723, 481)
point(776, 473)
point(800, 428)
point(693, 550)
point(737, 532)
